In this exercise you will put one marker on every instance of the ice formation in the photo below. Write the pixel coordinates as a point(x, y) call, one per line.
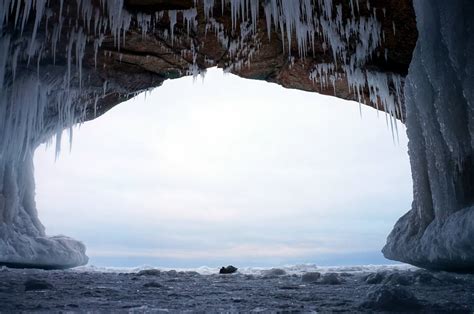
point(36, 102)
point(438, 231)
point(45, 89)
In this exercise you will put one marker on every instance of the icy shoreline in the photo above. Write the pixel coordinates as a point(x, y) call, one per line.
point(299, 269)
point(353, 289)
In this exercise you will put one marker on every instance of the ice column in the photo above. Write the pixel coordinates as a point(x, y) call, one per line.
point(439, 94)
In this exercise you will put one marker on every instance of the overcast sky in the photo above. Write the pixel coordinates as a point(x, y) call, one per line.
point(228, 171)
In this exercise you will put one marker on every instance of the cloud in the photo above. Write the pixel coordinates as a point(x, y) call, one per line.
point(240, 251)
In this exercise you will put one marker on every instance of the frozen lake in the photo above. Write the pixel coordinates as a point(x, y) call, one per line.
point(303, 288)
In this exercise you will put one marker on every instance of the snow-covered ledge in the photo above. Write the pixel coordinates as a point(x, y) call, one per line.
point(438, 232)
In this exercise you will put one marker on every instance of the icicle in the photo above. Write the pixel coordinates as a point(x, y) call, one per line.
point(104, 88)
point(172, 17)
point(4, 48)
point(40, 6)
point(189, 17)
point(209, 7)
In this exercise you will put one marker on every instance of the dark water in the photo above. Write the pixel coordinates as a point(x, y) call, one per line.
point(266, 291)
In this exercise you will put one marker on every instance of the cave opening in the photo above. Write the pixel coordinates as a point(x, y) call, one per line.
point(267, 176)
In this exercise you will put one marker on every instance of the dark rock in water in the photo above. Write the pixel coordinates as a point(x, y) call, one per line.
point(398, 279)
point(172, 273)
point(391, 298)
point(448, 278)
point(331, 279)
point(311, 277)
point(228, 270)
point(375, 278)
point(274, 272)
point(451, 307)
point(149, 272)
point(36, 284)
point(346, 275)
point(425, 278)
point(289, 287)
point(153, 284)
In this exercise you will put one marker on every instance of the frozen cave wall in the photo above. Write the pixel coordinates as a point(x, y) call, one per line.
point(438, 232)
point(65, 62)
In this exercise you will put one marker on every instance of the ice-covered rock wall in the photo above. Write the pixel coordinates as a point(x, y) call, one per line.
point(40, 96)
point(64, 62)
point(438, 232)
point(23, 239)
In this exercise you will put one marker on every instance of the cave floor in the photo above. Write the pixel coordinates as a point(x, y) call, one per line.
point(25, 290)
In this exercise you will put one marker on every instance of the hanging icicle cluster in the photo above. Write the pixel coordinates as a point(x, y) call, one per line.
point(34, 32)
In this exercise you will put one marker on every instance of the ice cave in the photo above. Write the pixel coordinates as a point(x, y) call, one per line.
point(65, 62)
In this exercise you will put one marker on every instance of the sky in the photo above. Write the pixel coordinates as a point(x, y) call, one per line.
point(228, 171)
